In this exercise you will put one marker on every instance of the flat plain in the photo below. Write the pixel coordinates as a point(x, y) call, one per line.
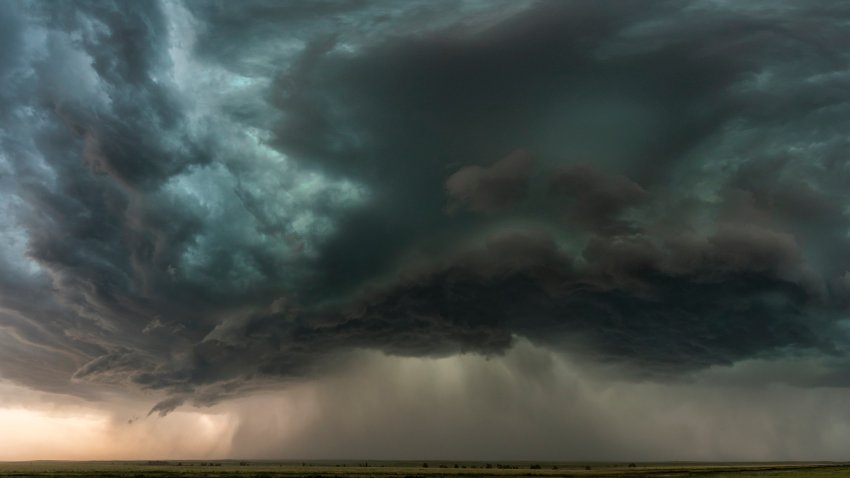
point(433, 469)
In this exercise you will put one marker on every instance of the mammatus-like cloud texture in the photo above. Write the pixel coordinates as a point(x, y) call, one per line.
point(204, 199)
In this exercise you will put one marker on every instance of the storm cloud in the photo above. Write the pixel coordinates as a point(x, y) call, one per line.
point(205, 200)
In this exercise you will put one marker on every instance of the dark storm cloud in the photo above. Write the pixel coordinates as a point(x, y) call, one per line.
point(214, 197)
point(407, 113)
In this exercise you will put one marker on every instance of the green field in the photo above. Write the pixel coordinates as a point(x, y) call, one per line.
point(434, 469)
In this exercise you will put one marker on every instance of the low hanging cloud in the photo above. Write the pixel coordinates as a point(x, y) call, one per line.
point(204, 200)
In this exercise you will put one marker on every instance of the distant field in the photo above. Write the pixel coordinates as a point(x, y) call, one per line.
point(434, 469)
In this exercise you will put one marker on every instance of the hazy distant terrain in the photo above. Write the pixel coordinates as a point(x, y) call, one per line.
point(327, 469)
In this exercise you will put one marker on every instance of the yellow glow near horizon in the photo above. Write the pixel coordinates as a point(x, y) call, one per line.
point(30, 434)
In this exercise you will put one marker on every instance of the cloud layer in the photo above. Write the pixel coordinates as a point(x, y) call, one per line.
point(209, 199)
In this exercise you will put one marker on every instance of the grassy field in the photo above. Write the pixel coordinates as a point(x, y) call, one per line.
point(434, 469)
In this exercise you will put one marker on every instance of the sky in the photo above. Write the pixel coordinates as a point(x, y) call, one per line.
point(482, 230)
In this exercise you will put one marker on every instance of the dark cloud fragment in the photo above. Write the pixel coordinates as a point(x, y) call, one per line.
point(496, 187)
point(597, 199)
point(167, 406)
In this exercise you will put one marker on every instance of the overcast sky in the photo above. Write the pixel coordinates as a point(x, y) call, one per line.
point(590, 229)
